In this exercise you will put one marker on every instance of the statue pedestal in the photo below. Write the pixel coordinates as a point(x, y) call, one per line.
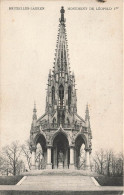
point(71, 166)
point(49, 166)
point(60, 165)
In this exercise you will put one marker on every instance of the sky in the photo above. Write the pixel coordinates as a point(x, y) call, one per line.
point(28, 43)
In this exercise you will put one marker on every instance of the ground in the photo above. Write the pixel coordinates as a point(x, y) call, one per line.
point(102, 180)
point(58, 184)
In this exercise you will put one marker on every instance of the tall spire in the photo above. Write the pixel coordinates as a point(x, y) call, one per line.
point(61, 63)
point(34, 112)
point(61, 92)
point(87, 117)
point(87, 120)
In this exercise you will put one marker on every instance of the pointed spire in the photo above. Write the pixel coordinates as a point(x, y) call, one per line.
point(87, 117)
point(49, 78)
point(62, 11)
point(34, 112)
point(50, 73)
point(61, 52)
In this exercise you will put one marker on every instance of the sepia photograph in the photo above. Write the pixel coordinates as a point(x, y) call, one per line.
point(61, 120)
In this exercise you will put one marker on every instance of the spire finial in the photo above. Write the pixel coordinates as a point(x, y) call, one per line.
point(62, 11)
point(87, 117)
point(50, 72)
point(34, 112)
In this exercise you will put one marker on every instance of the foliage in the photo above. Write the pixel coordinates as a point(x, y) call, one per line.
point(108, 163)
point(10, 160)
point(26, 152)
point(40, 161)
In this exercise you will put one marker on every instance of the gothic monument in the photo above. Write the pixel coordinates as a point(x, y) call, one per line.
point(60, 130)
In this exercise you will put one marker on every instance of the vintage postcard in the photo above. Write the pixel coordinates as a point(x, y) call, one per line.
point(61, 91)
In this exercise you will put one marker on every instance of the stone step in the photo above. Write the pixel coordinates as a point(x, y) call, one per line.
point(58, 181)
point(60, 172)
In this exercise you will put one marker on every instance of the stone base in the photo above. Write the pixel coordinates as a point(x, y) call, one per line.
point(55, 167)
point(87, 168)
point(49, 166)
point(69, 172)
point(60, 165)
point(71, 166)
point(65, 166)
point(33, 167)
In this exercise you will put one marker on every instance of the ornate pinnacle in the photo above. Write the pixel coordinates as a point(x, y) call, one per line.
point(87, 120)
point(34, 112)
point(62, 11)
point(87, 117)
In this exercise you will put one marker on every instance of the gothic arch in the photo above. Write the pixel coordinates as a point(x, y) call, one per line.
point(42, 135)
point(54, 120)
point(80, 145)
point(60, 144)
point(41, 152)
point(57, 132)
point(68, 121)
point(83, 137)
point(61, 94)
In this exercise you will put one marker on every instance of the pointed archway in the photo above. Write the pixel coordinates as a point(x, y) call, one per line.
point(79, 146)
point(60, 147)
point(41, 153)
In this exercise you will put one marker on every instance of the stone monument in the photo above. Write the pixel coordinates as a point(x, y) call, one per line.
point(60, 130)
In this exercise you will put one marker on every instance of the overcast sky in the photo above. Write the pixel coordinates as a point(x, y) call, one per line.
point(95, 51)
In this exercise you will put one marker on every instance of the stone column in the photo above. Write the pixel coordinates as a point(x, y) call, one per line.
point(55, 158)
point(71, 166)
point(33, 155)
point(66, 159)
point(49, 164)
point(87, 159)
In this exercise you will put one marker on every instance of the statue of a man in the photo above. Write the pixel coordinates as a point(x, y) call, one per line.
point(60, 156)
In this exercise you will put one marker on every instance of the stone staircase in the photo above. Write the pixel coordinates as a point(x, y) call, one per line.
point(59, 182)
point(60, 172)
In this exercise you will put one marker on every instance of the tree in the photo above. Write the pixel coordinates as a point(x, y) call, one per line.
point(108, 156)
point(108, 163)
point(99, 160)
point(39, 158)
point(119, 164)
point(3, 166)
point(26, 152)
point(12, 158)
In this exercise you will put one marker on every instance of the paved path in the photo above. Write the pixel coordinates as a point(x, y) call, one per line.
point(72, 188)
point(59, 181)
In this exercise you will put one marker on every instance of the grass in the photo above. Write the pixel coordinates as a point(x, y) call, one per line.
point(109, 181)
point(10, 180)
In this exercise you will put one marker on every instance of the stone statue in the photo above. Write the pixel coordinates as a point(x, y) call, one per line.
point(60, 157)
